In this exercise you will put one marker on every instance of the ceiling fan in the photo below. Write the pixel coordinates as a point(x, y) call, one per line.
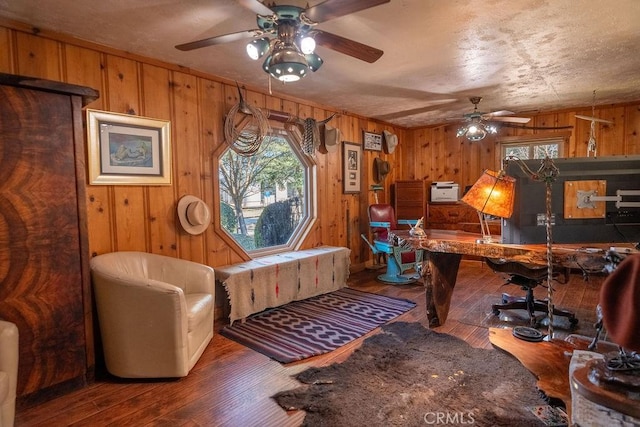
point(287, 35)
point(479, 124)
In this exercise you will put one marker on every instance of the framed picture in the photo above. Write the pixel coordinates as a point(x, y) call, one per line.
point(372, 141)
point(351, 167)
point(128, 150)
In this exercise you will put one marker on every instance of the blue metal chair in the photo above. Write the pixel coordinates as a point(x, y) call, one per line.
point(399, 259)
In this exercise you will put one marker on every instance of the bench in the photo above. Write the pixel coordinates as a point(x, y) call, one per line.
point(271, 281)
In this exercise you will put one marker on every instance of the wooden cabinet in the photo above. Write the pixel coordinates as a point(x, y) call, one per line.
point(409, 199)
point(44, 274)
point(457, 216)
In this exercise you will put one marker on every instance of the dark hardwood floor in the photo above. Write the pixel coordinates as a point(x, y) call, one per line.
point(231, 385)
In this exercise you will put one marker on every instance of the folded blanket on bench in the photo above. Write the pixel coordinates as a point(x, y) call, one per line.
point(271, 281)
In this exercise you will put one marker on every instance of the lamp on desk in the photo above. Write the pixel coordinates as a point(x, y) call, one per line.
point(492, 194)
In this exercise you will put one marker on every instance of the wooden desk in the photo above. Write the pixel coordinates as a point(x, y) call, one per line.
point(446, 249)
point(549, 361)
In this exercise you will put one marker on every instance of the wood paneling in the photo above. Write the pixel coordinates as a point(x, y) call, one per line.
point(6, 46)
point(37, 56)
point(143, 218)
point(442, 160)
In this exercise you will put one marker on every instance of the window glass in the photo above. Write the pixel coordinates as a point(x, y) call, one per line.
point(265, 201)
point(534, 149)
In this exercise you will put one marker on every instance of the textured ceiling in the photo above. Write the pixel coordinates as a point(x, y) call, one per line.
point(522, 56)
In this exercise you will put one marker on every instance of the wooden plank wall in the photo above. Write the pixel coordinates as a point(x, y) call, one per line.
point(436, 154)
point(144, 218)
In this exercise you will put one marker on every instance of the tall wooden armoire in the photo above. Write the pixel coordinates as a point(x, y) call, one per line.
point(44, 274)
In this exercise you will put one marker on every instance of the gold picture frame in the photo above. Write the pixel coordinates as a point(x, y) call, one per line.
point(128, 150)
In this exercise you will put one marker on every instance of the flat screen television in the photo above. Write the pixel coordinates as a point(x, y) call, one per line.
point(527, 224)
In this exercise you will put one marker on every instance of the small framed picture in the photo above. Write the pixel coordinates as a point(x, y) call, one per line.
point(372, 141)
point(128, 150)
point(351, 167)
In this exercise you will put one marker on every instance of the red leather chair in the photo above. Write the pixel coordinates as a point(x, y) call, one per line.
point(382, 221)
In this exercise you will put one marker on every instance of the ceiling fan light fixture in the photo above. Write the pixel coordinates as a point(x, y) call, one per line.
point(286, 36)
point(287, 64)
point(256, 48)
point(476, 132)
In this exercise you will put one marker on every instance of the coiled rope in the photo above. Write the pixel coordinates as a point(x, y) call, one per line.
point(245, 128)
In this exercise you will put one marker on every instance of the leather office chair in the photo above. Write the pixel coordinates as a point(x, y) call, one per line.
point(527, 276)
point(155, 313)
point(8, 372)
point(382, 221)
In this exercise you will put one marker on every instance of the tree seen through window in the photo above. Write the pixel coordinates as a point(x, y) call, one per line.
point(263, 196)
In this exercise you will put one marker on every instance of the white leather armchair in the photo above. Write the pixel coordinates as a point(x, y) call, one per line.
point(8, 372)
point(155, 313)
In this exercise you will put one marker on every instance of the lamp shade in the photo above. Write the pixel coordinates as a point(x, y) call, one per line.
point(492, 194)
point(314, 61)
point(257, 48)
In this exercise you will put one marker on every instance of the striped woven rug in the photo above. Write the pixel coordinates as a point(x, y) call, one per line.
point(317, 325)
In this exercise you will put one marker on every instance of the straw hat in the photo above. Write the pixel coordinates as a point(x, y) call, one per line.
point(391, 140)
point(194, 214)
point(381, 169)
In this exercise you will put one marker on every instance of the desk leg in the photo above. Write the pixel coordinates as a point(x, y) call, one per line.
point(441, 279)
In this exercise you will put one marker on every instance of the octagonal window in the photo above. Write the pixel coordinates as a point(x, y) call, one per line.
point(267, 201)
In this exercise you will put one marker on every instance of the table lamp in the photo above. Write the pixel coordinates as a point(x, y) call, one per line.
point(492, 194)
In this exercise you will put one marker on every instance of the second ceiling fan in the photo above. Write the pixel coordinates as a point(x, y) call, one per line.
point(287, 36)
point(478, 124)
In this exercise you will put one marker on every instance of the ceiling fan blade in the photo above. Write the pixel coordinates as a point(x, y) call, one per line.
point(347, 46)
point(217, 40)
point(434, 105)
point(593, 119)
point(510, 119)
point(256, 7)
point(331, 9)
point(498, 113)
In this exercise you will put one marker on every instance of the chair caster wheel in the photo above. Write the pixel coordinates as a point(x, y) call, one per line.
point(495, 311)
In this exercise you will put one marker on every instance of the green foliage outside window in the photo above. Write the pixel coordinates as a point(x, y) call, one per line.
point(276, 223)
